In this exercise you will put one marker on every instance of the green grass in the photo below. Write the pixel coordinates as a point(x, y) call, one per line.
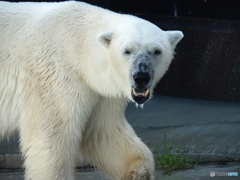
point(170, 159)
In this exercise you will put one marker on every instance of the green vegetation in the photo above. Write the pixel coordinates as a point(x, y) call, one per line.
point(169, 159)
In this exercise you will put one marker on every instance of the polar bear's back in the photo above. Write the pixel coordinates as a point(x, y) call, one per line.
point(23, 6)
point(19, 14)
point(21, 11)
point(23, 18)
point(16, 18)
point(36, 8)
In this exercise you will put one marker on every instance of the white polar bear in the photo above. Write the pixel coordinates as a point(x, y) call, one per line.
point(67, 72)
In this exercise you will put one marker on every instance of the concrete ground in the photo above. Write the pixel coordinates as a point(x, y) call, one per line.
point(202, 172)
point(209, 130)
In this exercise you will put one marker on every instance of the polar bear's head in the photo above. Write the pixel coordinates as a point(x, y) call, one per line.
point(140, 53)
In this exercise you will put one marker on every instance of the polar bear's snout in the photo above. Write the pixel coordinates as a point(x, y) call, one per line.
point(142, 76)
point(140, 93)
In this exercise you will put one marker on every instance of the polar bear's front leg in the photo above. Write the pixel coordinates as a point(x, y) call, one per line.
point(51, 158)
point(50, 149)
point(112, 145)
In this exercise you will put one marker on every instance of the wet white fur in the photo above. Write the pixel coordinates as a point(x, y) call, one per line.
point(66, 93)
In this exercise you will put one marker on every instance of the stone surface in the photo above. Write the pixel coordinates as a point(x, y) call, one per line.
point(202, 172)
point(13, 161)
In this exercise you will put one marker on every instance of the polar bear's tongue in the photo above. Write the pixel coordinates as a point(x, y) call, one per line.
point(140, 96)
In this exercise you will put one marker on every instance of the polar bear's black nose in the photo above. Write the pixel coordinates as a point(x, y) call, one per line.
point(141, 79)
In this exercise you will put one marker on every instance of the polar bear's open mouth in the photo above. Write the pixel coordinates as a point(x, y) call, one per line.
point(140, 96)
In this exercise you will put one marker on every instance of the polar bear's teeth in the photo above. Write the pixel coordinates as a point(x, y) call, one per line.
point(146, 93)
point(135, 93)
point(140, 94)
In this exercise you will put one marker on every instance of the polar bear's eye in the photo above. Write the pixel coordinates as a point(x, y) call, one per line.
point(157, 52)
point(127, 52)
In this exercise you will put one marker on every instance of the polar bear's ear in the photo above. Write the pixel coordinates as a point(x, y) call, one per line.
point(105, 38)
point(174, 37)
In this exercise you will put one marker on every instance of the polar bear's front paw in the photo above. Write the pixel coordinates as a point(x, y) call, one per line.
point(140, 176)
point(140, 173)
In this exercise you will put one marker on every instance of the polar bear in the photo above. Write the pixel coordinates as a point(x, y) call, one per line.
point(67, 73)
